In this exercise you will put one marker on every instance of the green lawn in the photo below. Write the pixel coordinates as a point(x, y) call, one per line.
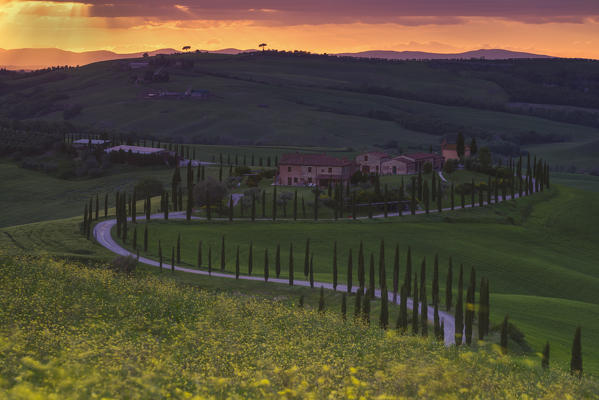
point(540, 247)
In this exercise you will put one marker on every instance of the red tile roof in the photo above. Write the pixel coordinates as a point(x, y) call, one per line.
point(313, 160)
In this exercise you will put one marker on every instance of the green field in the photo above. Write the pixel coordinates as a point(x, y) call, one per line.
point(102, 334)
point(327, 102)
point(539, 249)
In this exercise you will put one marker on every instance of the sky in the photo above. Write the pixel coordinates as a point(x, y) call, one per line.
point(567, 28)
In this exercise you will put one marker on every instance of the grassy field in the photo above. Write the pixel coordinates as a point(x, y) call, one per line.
point(539, 248)
point(295, 101)
point(102, 334)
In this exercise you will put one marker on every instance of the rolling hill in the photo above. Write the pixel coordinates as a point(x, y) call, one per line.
point(489, 54)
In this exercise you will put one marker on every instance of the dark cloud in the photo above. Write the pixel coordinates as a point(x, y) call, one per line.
point(405, 12)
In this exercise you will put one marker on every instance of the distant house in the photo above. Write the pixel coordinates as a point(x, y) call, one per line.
point(450, 151)
point(371, 162)
point(411, 163)
point(314, 169)
point(86, 143)
point(138, 150)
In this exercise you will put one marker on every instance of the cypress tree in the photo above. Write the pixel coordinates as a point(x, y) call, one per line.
point(231, 210)
point(209, 260)
point(172, 259)
point(435, 287)
point(344, 306)
point(178, 248)
point(237, 263)
point(408, 276)
point(316, 195)
point(200, 254)
point(97, 207)
point(396, 273)
point(222, 253)
point(361, 270)
point(335, 266)
point(489, 187)
point(545, 358)
point(403, 309)
point(415, 307)
point(160, 254)
point(307, 258)
point(469, 315)
point(426, 197)
point(148, 208)
point(462, 200)
point(321, 300)
point(371, 281)
point(481, 201)
point(358, 304)
point(264, 204)
point(504, 335)
point(253, 207)
point(146, 238)
point(84, 226)
point(413, 200)
point(452, 196)
point(366, 309)
point(165, 207)
point(459, 312)
point(449, 286)
point(384, 317)
point(382, 267)
point(295, 206)
point(481, 309)
point(420, 189)
point(350, 272)
point(576, 361)
point(274, 204)
point(106, 205)
point(423, 299)
point(266, 268)
point(291, 264)
point(303, 208)
point(251, 258)
point(436, 324)
point(311, 272)
point(208, 206)
point(124, 229)
point(278, 261)
point(135, 237)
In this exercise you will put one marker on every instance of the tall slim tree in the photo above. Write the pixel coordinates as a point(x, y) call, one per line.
point(396, 273)
point(403, 309)
point(321, 300)
point(436, 325)
point(384, 316)
point(251, 258)
point(97, 207)
point(278, 261)
point(382, 267)
point(576, 360)
point(408, 276)
point(459, 312)
point(209, 260)
point(350, 272)
point(423, 300)
point(435, 286)
point(146, 238)
point(311, 272)
point(106, 205)
point(274, 203)
point(344, 306)
point(335, 266)
point(449, 286)
point(415, 299)
point(358, 305)
point(361, 269)
point(222, 253)
point(469, 315)
point(178, 248)
point(266, 267)
point(366, 309)
point(160, 254)
point(200, 254)
point(134, 244)
point(291, 264)
point(371, 281)
point(172, 259)
point(426, 198)
point(307, 258)
point(460, 146)
point(545, 358)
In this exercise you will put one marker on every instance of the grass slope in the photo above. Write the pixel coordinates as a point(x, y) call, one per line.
point(540, 248)
point(103, 335)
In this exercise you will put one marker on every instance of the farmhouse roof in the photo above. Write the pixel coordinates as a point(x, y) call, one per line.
point(313, 160)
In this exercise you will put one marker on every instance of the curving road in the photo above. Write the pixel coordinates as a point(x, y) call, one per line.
point(102, 233)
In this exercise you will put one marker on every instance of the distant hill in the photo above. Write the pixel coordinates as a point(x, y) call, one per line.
point(489, 54)
point(31, 59)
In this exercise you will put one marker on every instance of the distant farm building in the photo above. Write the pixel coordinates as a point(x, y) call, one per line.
point(139, 150)
point(371, 162)
point(314, 169)
point(450, 151)
point(379, 163)
point(86, 143)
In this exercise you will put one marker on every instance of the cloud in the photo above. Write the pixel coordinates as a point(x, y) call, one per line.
point(314, 12)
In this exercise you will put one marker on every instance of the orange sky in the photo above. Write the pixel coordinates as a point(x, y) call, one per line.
point(322, 26)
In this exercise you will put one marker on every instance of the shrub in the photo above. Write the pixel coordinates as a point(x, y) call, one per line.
point(217, 191)
point(149, 187)
point(125, 264)
point(427, 168)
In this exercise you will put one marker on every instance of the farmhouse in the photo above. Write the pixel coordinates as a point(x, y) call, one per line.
point(86, 143)
point(138, 150)
point(371, 162)
point(314, 169)
point(450, 151)
point(410, 163)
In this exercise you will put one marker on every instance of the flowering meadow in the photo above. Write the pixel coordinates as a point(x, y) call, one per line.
point(72, 332)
